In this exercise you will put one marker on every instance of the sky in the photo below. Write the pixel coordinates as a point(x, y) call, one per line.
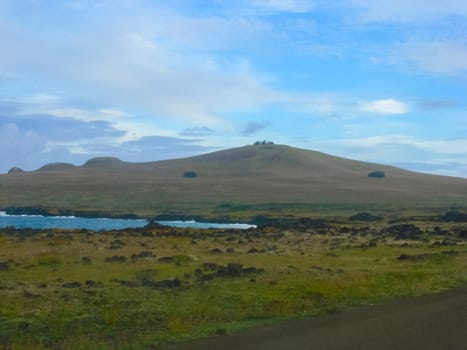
point(373, 80)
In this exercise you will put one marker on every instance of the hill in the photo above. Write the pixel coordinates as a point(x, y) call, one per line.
point(256, 179)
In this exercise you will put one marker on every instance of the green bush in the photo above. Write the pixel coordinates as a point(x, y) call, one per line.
point(377, 174)
point(190, 174)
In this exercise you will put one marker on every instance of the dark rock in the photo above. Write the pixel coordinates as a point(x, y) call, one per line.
point(403, 231)
point(86, 260)
point(416, 257)
point(210, 266)
point(24, 326)
point(209, 271)
point(454, 216)
point(438, 231)
point(152, 224)
point(365, 217)
point(204, 277)
point(33, 210)
point(230, 250)
point(445, 243)
point(71, 285)
point(143, 255)
point(217, 251)
point(171, 283)
point(252, 270)
point(29, 294)
point(234, 270)
point(301, 225)
point(116, 258)
point(166, 259)
point(4, 266)
point(116, 244)
point(221, 331)
point(450, 252)
point(130, 284)
point(462, 234)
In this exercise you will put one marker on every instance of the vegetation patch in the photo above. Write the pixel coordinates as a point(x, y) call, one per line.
point(66, 289)
point(190, 174)
point(377, 174)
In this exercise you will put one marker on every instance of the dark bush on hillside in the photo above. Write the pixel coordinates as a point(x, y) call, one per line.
point(190, 174)
point(264, 142)
point(377, 174)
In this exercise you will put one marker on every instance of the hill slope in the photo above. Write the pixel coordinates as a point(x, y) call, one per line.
point(275, 175)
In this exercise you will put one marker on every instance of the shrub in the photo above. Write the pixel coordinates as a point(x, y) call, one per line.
point(190, 174)
point(264, 142)
point(377, 174)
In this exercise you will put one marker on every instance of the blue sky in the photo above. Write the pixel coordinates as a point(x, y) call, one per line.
point(380, 81)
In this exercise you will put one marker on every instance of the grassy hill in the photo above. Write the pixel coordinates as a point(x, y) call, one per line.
point(247, 180)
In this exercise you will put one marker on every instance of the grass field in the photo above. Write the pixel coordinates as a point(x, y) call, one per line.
point(136, 289)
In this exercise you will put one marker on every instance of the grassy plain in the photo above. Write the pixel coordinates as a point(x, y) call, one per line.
point(137, 289)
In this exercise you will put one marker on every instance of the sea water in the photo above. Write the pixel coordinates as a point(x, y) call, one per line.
point(97, 224)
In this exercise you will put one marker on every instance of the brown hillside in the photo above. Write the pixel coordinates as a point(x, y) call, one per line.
point(260, 174)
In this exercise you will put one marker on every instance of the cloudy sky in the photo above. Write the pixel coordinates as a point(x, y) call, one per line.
point(374, 80)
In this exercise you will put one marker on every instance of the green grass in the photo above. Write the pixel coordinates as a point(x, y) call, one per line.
point(305, 274)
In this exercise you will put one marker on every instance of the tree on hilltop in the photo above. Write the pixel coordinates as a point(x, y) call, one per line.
point(264, 142)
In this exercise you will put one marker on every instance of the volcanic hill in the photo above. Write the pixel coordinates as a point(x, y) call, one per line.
point(244, 178)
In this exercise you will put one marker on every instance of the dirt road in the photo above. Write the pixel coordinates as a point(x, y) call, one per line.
point(437, 321)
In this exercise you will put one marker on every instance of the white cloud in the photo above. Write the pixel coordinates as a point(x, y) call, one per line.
point(438, 57)
point(439, 156)
point(408, 11)
point(448, 147)
point(154, 62)
point(285, 5)
point(387, 106)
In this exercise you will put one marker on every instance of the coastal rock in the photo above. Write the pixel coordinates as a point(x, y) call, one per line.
point(365, 217)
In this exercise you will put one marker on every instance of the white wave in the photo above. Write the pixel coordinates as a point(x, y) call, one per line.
point(4, 214)
point(195, 224)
